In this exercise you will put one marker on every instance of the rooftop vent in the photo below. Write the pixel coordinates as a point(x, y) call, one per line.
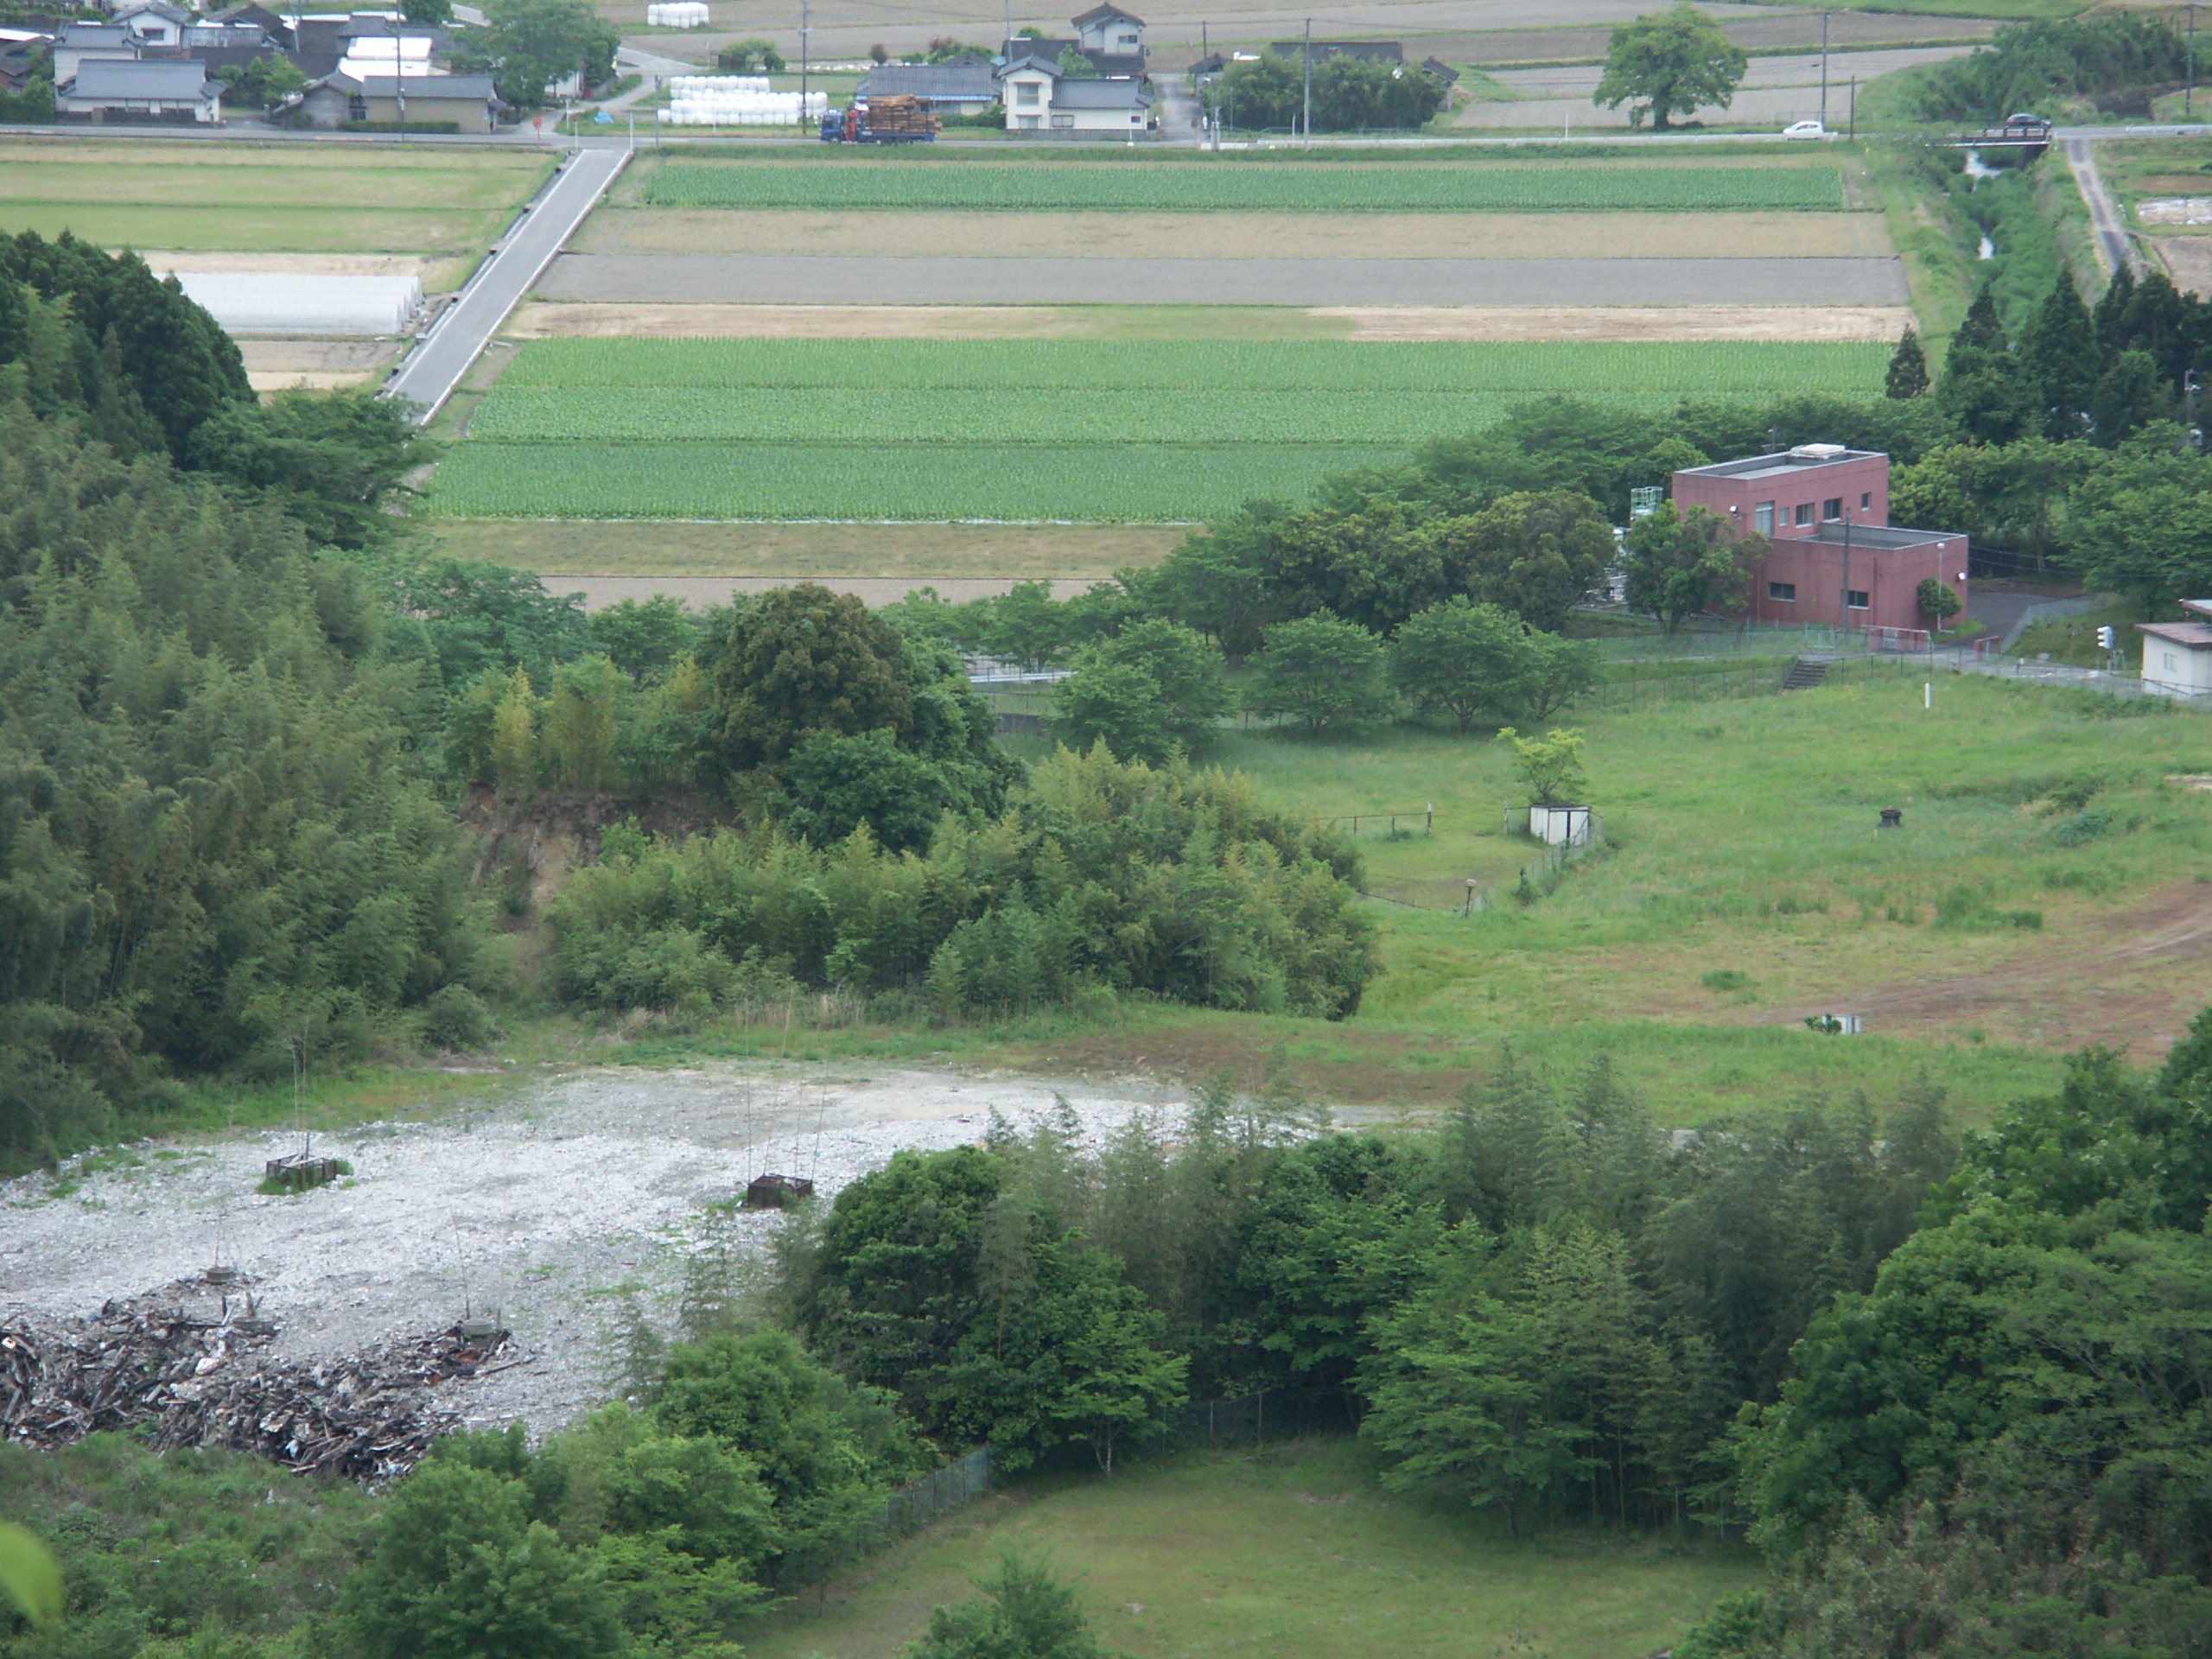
point(1819, 452)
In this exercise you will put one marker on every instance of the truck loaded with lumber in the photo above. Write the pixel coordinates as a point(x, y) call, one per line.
point(894, 119)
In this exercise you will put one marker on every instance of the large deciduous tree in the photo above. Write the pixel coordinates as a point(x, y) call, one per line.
point(1152, 688)
point(530, 45)
point(1535, 553)
point(1682, 563)
point(1670, 63)
point(1321, 670)
point(1469, 661)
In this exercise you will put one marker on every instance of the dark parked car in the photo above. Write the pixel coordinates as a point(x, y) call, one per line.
point(2026, 126)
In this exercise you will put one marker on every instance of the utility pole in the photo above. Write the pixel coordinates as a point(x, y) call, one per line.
point(1309, 83)
point(399, 78)
point(2189, 98)
point(805, 21)
point(1824, 69)
point(1854, 109)
point(1847, 569)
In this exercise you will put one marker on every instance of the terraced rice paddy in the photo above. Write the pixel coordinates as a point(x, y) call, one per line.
point(1027, 431)
point(956, 187)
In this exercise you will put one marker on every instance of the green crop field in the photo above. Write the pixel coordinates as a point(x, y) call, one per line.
point(1032, 430)
point(1015, 187)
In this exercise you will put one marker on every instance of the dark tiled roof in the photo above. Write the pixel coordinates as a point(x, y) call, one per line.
point(176, 80)
point(965, 83)
point(477, 89)
point(1100, 95)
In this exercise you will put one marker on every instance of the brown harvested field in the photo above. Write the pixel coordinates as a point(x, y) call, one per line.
point(1687, 322)
point(1648, 322)
point(1081, 553)
point(2187, 260)
point(315, 365)
point(1207, 236)
point(1495, 31)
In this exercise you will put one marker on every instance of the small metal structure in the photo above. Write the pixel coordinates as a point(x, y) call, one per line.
point(778, 1192)
point(1892, 818)
point(1835, 1025)
point(299, 1172)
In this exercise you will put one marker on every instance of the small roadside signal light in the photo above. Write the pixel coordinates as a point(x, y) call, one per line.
point(2104, 638)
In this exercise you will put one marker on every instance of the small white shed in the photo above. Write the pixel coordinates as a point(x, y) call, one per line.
point(2177, 656)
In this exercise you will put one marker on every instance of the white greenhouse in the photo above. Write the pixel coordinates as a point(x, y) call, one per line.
point(268, 302)
point(676, 13)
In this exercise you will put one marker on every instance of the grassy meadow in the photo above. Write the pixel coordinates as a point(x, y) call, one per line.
point(1291, 1551)
point(274, 197)
point(2054, 870)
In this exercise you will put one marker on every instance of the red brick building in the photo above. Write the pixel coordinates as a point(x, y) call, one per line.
point(1834, 557)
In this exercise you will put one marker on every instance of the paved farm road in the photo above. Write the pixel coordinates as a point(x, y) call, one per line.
point(434, 368)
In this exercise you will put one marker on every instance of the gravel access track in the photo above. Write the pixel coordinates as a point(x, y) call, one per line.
point(872, 280)
point(541, 1205)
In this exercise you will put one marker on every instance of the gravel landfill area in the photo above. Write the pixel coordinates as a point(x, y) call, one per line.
point(543, 1206)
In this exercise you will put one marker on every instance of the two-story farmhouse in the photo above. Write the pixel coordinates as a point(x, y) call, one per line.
point(1833, 555)
point(1107, 91)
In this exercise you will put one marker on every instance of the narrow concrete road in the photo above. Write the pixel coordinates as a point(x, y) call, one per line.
point(1178, 110)
point(2104, 212)
point(434, 368)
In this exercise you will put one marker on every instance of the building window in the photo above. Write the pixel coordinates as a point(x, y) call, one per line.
point(1762, 517)
point(2172, 666)
point(1029, 123)
point(1024, 92)
point(1783, 592)
point(1865, 500)
point(1805, 513)
point(1063, 121)
point(1832, 509)
point(1855, 598)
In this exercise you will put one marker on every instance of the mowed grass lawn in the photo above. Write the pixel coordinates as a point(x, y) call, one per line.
point(1030, 430)
point(293, 198)
point(1293, 1552)
point(1744, 840)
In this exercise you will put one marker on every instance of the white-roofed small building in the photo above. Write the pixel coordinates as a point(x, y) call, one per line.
point(2177, 656)
point(140, 92)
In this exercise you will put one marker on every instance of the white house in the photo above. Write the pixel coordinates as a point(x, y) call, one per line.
point(1110, 30)
point(154, 23)
point(2177, 656)
point(1039, 99)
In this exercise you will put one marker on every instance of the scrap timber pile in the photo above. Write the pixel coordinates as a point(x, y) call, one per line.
point(201, 1380)
point(901, 113)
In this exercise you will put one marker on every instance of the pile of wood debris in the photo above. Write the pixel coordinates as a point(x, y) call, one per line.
point(201, 1376)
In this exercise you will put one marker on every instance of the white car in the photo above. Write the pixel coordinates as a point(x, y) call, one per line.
point(1806, 130)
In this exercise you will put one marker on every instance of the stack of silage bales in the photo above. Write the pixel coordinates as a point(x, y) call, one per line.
point(737, 101)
